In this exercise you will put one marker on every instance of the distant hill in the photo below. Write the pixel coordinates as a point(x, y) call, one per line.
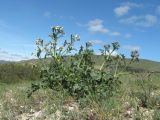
point(142, 65)
point(23, 70)
point(147, 65)
point(3, 61)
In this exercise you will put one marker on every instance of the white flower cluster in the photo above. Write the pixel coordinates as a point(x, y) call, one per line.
point(58, 29)
point(75, 37)
point(39, 42)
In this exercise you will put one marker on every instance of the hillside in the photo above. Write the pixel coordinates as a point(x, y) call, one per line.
point(147, 65)
point(3, 62)
point(143, 64)
point(23, 70)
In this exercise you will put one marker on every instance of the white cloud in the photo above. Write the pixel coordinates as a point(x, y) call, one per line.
point(122, 10)
point(5, 55)
point(96, 41)
point(47, 14)
point(97, 26)
point(143, 21)
point(131, 48)
point(80, 24)
point(127, 36)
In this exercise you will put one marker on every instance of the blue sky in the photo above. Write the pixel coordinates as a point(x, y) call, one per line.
point(135, 24)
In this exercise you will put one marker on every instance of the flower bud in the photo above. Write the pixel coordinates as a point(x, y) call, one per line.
point(75, 37)
point(135, 55)
point(39, 42)
point(115, 45)
point(107, 47)
point(58, 30)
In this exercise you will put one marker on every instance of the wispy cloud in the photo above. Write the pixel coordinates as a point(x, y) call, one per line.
point(47, 14)
point(124, 8)
point(131, 47)
point(96, 41)
point(143, 21)
point(115, 33)
point(127, 36)
point(132, 4)
point(5, 55)
point(80, 24)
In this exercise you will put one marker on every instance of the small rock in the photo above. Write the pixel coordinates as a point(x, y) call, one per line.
point(71, 108)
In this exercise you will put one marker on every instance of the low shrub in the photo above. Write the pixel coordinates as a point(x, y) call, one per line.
point(80, 78)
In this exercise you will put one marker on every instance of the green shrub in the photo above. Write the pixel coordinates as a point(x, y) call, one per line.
point(16, 72)
point(79, 78)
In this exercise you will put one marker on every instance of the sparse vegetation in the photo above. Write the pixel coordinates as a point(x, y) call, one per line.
point(79, 87)
point(16, 72)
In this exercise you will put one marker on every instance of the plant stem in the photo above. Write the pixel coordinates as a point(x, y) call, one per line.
point(107, 59)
